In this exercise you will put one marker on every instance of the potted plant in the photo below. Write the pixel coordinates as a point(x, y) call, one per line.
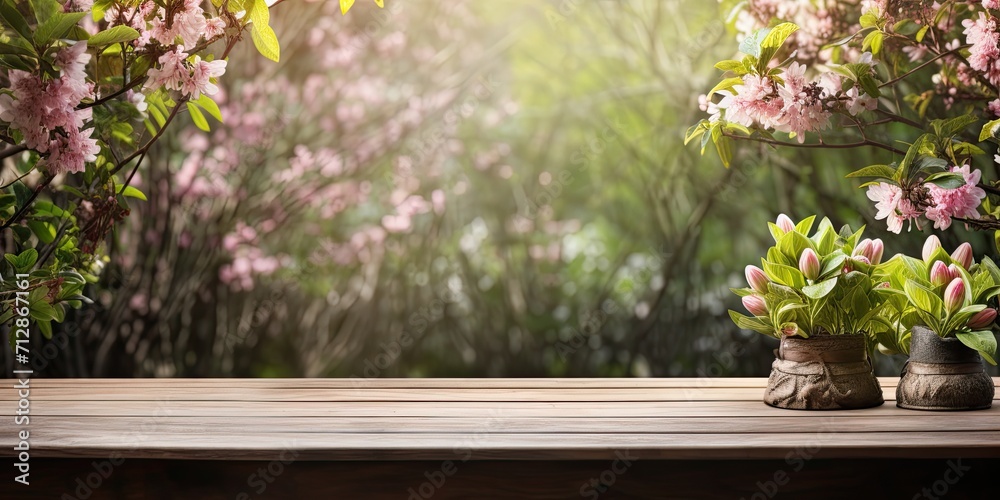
point(817, 296)
point(941, 318)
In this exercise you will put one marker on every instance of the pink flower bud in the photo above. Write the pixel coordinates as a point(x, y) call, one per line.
point(755, 305)
point(954, 295)
point(863, 248)
point(877, 249)
point(809, 264)
point(963, 255)
point(930, 246)
point(954, 272)
point(940, 275)
point(757, 279)
point(983, 319)
point(785, 223)
point(884, 284)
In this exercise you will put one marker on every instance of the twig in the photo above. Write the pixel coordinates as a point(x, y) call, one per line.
point(131, 85)
point(23, 209)
point(820, 145)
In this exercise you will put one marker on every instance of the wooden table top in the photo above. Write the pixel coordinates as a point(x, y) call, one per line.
point(432, 419)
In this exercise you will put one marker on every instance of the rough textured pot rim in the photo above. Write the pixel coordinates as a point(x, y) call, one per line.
point(926, 346)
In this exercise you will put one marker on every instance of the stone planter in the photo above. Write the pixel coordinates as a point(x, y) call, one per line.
point(943, 374)
point(823, 372)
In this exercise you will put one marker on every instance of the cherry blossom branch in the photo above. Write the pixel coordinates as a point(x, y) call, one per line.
point(923, 65)
point(900, 119)
point(20, 213)
point(141, 152)
point(12, 151)
point(980, 223)
point(820, 145)
point(131, 85)
point(988, 188)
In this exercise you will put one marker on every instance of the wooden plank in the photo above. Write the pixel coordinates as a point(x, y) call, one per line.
point(484, 446)
point(351, 395)
point(414, 383)
point(421, 383)
point(776, 425)
point(733, 409)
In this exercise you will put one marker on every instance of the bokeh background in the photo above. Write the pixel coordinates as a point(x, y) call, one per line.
point(456, 189)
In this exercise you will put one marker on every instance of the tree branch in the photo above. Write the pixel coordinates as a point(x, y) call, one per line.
point(131, 85)
point(820, 145)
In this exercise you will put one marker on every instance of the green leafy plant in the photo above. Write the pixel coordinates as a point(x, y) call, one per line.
point(947, 293)
point(814, 285)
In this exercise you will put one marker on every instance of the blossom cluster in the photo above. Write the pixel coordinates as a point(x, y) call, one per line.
point(937, 204)
point(46, 114)
point(795, 106)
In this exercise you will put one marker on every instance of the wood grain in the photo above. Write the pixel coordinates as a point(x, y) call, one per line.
point(469, 419)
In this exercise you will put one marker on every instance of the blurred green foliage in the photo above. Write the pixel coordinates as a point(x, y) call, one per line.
point(604, 248)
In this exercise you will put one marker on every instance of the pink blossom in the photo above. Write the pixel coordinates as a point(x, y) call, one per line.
point(172, 73)
point(755, 101)
point(215, 27)
point(45, 112)
point(858, 101)
point(963, 201)
point(892, 206)
point(981, 34)
point(802, 106)
point(994, 107)
point(188, 24)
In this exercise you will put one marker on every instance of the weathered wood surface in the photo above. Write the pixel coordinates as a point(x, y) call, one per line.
point(470, 419)
point(418, 439)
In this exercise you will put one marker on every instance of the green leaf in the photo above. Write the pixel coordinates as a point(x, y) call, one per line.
point(266, 42)
point(14, 19)
point(868, 20)
point(724, 146)
point(209, 105)
point(24, 261)
point(197, 117)
point(923, 298)
point(45, 231)
point(784, 275)
point(729, 65)
point(773, 41)
point(989, 130)
point(905, 27)
point(132, 192)
point(45, 327)
point(832, 264)
point(44, 9)
point(982, 341)
point(115, 34)
point(878, 171)
point(923, 31)
point(726, 84)
point(946, 180)
point(748, 323)
point(805, 225)
point(821, 289)
point(952, 126)
point(57, 26)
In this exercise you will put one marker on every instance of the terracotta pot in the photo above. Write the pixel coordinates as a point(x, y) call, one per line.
point(823, 372)
point(943, 374)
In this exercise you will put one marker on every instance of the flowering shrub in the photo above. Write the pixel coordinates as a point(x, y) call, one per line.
point(92, 86)
point(946, 293)
point(913, 79)
point(819, 284)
